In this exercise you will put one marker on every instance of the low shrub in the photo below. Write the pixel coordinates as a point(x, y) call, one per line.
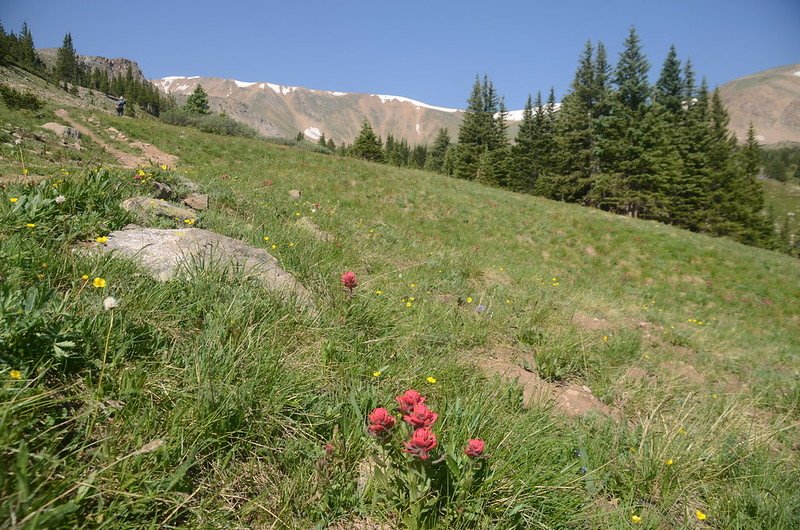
point(210, 123)
point(17, 100)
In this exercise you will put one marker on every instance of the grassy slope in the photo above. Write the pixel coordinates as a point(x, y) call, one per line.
point(245, 392)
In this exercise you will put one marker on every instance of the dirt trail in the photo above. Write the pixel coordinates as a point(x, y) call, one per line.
point(150, 153)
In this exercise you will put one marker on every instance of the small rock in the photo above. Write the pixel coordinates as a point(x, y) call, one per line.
point(187, 184)
point(295, 194)
point(62, 130)
point(161, 190)
point(112, 130)
point(147, 206)
point(197, 201)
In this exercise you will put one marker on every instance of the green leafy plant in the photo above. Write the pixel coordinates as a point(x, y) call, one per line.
point(416, 478)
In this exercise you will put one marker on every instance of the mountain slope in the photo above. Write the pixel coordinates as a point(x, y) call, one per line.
point(770, 100)
point(208, 402)
point(277, 110)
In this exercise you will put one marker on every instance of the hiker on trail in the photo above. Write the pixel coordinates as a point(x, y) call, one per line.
point(121, 106)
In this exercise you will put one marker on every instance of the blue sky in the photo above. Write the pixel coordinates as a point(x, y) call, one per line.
point(429, 51)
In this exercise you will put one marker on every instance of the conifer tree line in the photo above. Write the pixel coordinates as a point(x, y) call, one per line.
point(620, 144)
point(394, 151)
point(69, 73)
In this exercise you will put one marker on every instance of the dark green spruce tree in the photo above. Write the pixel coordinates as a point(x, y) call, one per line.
point(367, 145)
point(197, 102)
point(437, 152)
point(67, 67)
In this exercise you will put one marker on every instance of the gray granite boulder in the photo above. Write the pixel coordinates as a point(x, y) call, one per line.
point(166, 253)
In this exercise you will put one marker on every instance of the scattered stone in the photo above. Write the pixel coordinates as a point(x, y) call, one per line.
point(187, 184)
point(197, 201)
point(590, 251)
point(162, 191)
point(314, 230)
point(165, 253)
point(295, 194)
point(62, 130)
point(147, 206)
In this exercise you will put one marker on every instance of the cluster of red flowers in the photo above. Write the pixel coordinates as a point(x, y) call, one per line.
point(349, 280)
point(411, 405)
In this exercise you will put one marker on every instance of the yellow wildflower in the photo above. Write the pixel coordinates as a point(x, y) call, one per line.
point(164, 167)
point(141, 173)
point(412, 285)
point(669, 462)
point(376, 373)
point(411, 298)
point(85, 277)
point(25, 171)
point(508, 301)
point(188, 222)
point(700, 515)
point(274, 246)
point(16, 375)
point(378, 292)
point(266, 238)
point(605, 338)
point(291, 245)
point(469, 299)
point(297, 214)
point(431, 380)
point(99, 282)
point(14, 199)
point(682, 431)
point(635, 519)
point(408, 304)
point(102, 239)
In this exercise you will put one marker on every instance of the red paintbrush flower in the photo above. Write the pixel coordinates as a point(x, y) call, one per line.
point(408, 400)
point(421, 443)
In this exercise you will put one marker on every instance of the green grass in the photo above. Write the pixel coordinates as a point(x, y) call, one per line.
point(244, 391)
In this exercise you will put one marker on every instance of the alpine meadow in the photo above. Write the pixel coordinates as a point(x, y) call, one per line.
point(581, 315)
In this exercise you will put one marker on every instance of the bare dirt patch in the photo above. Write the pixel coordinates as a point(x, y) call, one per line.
point(685, 371)
point(570, 398)
point(590, 323)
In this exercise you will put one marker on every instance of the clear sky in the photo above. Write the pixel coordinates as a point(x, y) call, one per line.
point(428, 51)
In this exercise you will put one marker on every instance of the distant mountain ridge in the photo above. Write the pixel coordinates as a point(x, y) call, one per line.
point(280, 110)
point(770, 100)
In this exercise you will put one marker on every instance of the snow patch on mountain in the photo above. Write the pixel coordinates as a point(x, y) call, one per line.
point(166, 82)
point(280, 89)
point(797, 74)
point(418, 104)
point(418, 128)
point(243, 84)
point(337, 93)
point(313, 133)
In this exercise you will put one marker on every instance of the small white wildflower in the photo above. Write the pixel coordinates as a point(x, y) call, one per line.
point(110, 303)
point(60, 199)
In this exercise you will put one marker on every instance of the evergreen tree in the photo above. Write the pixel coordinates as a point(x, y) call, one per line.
point(670, 87)
point(472, 135)
point(5, 46)
point(631, 74)
point(67, 66)
point(331, 145)
point(322, 140)
point(300, 136)
point(367, 145)
point(197, 101)
point(691, 198)
point(523, 154)
point(25, 53)
point(436, 154)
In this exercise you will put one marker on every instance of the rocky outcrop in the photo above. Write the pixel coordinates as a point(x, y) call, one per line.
point(168, 253)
